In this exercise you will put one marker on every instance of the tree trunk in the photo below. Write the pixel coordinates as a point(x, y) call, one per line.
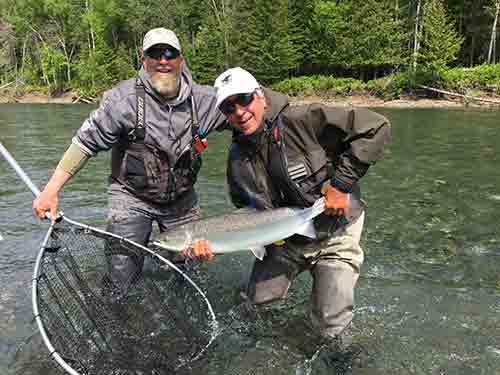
point(416, 43)
point(221, 19)
point(67, 57)
point(92, 35)
point(137, 54)
point(91, 39)
point(491, 51)
point(23, 58)
point(472, 49)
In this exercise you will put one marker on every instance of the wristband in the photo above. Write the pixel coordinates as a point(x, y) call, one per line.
point(73, 160)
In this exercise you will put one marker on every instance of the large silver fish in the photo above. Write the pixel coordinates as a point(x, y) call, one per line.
point(243, 229)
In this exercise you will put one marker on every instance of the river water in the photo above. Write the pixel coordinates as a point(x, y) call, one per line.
point(427, 302)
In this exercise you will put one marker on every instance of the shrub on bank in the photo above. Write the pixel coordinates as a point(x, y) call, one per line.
point(329, 86)
point(484, 77)
point(389, 87)
point(318, 85)
point(459, 80)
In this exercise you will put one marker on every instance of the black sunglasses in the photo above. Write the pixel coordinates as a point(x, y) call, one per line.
point(229, 106)
point(168, 52)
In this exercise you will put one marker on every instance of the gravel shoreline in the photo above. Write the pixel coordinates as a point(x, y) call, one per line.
point(356, 101)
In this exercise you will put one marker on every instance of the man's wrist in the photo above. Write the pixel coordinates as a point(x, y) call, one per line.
point(341, 185)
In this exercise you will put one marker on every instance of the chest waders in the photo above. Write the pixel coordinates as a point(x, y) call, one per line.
point(298, 177)
point(148, 172)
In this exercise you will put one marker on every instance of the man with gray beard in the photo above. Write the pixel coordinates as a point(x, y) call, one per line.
point(155, 124)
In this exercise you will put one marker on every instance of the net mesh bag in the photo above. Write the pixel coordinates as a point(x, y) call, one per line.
point(158, 323)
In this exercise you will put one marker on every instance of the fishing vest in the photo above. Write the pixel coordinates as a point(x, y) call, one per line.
point(146, 171)
point(268, 175)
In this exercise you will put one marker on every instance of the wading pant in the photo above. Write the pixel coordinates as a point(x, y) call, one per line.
point(133, 218)
point(334, 264)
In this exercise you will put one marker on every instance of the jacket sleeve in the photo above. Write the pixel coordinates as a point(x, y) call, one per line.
point(105, 126)
point(237, 193)
point(234, 190)
point(353, 138)
point(209, 115)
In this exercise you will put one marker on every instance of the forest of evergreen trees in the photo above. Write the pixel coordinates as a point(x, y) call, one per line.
point(88, 45)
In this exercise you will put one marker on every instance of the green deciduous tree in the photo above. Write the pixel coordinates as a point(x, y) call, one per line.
point(91, 44)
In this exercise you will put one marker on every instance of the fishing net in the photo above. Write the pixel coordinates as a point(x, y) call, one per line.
point(156, 325)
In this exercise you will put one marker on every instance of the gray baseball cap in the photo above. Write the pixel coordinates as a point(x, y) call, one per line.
point(160, 36)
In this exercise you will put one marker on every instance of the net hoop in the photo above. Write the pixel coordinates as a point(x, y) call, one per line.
point(38, 270)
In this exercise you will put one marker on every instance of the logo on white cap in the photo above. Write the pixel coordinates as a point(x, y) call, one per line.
point(226, 80)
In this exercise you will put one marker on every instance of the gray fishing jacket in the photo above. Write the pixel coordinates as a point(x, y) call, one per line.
point(168, 135)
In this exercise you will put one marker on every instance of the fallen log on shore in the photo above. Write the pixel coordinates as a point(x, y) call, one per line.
point(85, 99)
point(466, 97)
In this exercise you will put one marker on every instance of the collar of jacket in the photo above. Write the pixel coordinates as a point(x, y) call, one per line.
point(275, 104)
point(184, 92)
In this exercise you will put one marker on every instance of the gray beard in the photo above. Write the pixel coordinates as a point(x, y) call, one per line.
point(167, 85)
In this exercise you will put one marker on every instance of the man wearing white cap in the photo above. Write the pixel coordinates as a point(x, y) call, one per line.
point(155, 124)
point(284, 155)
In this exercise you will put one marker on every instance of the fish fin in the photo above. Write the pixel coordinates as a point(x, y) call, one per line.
point(307, 230)
point(259, 252)
point(244, 210)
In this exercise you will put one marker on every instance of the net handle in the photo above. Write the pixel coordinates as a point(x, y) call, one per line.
point(36, 272)
point(13, 163)
point(20, 172)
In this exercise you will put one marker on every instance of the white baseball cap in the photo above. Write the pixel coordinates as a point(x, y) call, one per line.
point(160, 36)
point(234, 81)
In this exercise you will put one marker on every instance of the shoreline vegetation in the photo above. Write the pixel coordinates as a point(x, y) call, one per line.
point(444, 101)
point(385, 92)
point(377, 53)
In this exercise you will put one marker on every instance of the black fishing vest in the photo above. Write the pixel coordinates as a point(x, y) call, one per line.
point(146, 171)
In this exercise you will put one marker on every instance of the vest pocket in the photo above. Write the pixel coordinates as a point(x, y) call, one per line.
point(135, 171)
point(186, 172)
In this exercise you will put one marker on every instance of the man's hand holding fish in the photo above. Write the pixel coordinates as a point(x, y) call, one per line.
point(199, 249)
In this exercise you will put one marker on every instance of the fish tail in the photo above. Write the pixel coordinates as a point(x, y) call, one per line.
point(317, 208)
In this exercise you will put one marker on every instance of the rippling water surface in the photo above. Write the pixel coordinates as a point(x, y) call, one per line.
point(428, 300)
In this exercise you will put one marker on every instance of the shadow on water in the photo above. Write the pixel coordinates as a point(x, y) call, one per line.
point(427, 302)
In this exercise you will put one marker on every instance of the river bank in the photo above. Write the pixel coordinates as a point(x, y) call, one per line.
point(443, 101)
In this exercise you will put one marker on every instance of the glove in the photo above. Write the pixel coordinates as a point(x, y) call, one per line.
point(199, 249)
point(336, 201)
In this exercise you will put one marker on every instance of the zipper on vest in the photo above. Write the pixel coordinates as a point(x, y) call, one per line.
point(172, 186)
